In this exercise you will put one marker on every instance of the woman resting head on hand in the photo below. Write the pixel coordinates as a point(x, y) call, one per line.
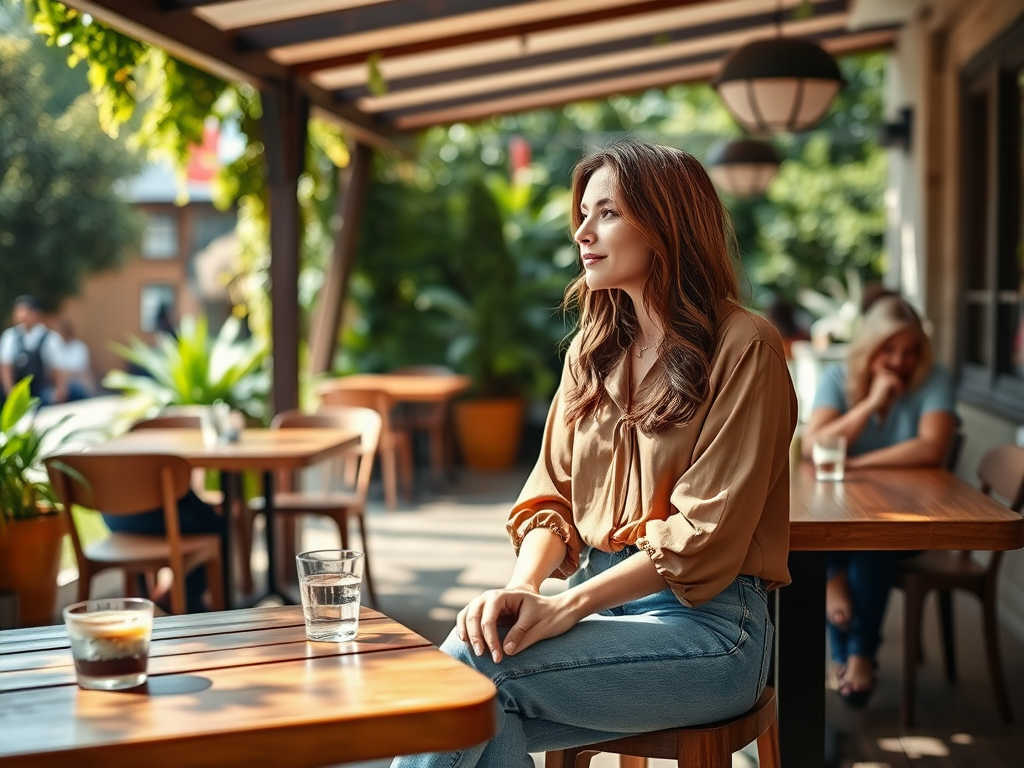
point(661, 490)
point(895, 407)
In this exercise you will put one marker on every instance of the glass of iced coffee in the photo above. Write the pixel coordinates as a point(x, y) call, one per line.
point(110, 641)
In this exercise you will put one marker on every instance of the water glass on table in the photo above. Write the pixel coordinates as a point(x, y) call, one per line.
point(110, 642)
point(330, 581)
point(829, 455)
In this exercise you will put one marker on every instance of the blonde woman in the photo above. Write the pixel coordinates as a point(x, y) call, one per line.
point(895, 407)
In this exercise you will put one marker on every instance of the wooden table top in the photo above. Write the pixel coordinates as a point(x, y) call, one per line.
point(257, 449)
point(402, 386)
point(899, 508)
point(242, 688)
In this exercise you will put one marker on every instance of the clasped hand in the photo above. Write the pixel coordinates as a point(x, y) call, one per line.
point(533, 617)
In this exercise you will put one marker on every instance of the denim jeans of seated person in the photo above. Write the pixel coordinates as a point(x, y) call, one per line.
point(647, 665)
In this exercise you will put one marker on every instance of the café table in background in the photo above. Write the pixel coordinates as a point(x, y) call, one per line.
point(242, 688)
point(261, 450)
point(430, 391)
point(871, 509)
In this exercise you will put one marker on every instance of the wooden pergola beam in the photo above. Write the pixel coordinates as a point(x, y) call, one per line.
point(495, 32)
point(285, 123)
point(327, 319)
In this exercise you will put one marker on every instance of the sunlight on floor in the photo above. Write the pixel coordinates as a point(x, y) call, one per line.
point(915, 747)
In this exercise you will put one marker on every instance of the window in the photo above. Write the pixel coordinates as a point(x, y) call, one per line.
point(160, 237)
point(992, 208)
point(157, 306)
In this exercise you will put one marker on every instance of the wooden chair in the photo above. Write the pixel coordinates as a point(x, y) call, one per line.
point(699, 746)
point(395, 447)
point(125, 485)
point(340, 506)
point(431, 418)
point(188, 417)
point(1001, 471)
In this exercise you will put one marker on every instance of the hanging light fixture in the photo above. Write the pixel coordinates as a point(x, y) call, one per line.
point(744, 168)
point(779, 84)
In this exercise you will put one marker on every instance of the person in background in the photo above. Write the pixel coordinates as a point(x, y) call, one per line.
point(76, 363)
point(29, 348)
point(895, 407)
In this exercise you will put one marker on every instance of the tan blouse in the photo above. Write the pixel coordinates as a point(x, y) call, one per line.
point(707, 501)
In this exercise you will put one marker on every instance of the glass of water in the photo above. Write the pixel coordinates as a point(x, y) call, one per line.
point(330, 580)
point(829, 455)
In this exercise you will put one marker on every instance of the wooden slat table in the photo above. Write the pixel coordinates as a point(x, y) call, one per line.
point(872, 509)
point(403, 387)
point(242, 688)
point(261, 450)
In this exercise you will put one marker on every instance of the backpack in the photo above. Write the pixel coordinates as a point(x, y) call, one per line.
point(29, 362)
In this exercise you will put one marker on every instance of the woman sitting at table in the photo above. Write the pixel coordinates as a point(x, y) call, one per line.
point(662, 486)
point(895, 407)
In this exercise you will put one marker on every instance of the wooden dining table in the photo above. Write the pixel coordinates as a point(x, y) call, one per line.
point(242, 688)
point(871, 509)
point(263, 450)
point(404, 387)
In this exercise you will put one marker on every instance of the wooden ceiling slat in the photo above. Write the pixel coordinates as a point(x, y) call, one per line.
point(728, 33)
point(234, 14)
point(371, 18)
point(432, 36)
point(651, 75)
point(552, 97)
point(563, 39)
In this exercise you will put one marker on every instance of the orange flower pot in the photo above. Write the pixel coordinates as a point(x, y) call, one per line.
point(29, 562)
point(489, 432)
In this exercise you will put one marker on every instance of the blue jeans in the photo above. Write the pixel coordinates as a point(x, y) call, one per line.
point(870, 576)
point(647, 665)
point(195, 516)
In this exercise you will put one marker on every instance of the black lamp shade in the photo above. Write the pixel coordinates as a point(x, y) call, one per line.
point(744, 168)
point(779, 84)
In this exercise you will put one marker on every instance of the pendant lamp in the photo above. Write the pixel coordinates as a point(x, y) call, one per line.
point(744, 168)
point(779, 84)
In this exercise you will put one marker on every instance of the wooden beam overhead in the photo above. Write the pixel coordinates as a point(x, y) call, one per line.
point(717, 36)
point(686, 69)
point(428, 36)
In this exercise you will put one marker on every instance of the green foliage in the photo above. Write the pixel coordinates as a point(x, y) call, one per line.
point(60, 216)
point(24, 483)
point(194, 369)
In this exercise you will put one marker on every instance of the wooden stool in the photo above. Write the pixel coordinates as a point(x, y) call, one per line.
point(698, 746)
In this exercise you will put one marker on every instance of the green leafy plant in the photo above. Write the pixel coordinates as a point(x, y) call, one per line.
point(25, 490)
point(498, 309)
point(195, 369)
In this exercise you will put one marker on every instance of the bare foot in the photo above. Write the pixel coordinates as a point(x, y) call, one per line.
point(857, 685)
point(838, 607)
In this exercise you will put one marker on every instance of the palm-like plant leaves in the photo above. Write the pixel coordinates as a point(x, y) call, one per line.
point(194, 369)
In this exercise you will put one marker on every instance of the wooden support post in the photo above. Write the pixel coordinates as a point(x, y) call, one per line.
point(285, 119)
point(351, 196)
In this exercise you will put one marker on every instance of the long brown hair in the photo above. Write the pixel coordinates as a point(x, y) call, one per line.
point(666, 195)
point(885, 318)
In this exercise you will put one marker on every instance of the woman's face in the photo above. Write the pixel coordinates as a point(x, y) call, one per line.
point(612, 252)
point(900, 353)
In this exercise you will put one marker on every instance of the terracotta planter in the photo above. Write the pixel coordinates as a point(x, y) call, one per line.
point(489, 432)
point(29, 561)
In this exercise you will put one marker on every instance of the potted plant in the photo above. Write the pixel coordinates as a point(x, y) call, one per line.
point(32, 526)
point(191, 368)
point(499, 309)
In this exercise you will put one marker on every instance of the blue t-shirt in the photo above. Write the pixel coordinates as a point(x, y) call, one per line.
point(936, 394)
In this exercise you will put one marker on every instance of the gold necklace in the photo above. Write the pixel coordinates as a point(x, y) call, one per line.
point(643, 349)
